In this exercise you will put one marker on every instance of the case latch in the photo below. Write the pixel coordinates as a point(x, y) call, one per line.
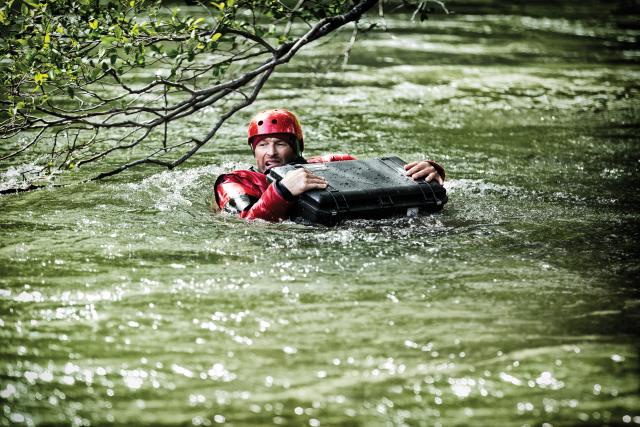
point(339, 199)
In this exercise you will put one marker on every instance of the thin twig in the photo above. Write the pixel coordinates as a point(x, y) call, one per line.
point(32, 143)
point(352, 42)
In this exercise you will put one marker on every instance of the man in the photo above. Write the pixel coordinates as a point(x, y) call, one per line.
point(275, 136)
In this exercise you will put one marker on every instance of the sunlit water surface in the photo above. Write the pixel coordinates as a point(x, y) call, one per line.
point(131, 302)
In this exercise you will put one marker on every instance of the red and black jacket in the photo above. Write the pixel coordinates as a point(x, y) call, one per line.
point(248, 194)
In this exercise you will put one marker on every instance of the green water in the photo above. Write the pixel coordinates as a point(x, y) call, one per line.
point(130, 302)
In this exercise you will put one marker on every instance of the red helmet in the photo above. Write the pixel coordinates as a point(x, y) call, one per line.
point(275, 121)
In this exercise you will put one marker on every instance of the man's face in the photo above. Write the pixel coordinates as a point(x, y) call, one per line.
point(272, 152)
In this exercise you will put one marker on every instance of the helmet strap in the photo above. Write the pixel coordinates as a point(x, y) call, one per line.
point(296, 146)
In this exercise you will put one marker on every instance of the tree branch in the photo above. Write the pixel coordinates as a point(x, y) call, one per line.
point(105, 96)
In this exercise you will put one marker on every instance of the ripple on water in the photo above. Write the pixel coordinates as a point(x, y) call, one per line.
point(483, 187)
point(171, 190)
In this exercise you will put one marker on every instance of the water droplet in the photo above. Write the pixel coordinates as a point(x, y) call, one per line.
point(410, 344)
point(393, 298)
point(17, 418)
point(510, 379)
point(8, 391)
point(289, 350)
point(198, 421)
point(461, 390)
point(181, 370)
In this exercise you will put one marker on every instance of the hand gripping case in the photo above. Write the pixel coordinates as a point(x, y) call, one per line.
point(374, 188)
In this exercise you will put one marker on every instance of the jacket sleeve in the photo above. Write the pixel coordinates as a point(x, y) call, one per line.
point(236, 196)
point(326, 158)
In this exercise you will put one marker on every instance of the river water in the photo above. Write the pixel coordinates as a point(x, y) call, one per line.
point(131, 302)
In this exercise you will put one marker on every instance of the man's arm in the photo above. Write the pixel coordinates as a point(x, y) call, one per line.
point(237, 195)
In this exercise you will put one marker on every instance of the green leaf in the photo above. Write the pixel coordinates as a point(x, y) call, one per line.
point(196, 23)
point(3, 17)
point(46, 41)
point(39, 78)
point(108, 40)
point(93, 24)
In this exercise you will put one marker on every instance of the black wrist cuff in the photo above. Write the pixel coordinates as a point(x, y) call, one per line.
point(284, 192)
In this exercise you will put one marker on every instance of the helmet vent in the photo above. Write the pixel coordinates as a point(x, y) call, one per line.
point(260, 123)
point(274, 121)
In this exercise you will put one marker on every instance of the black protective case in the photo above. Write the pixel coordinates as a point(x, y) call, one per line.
point(373, 188)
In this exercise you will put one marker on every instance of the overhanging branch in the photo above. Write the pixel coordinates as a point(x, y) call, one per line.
point(107, 103)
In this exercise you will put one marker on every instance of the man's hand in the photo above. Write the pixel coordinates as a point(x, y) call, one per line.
point(300, 180)
point(417, 170)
